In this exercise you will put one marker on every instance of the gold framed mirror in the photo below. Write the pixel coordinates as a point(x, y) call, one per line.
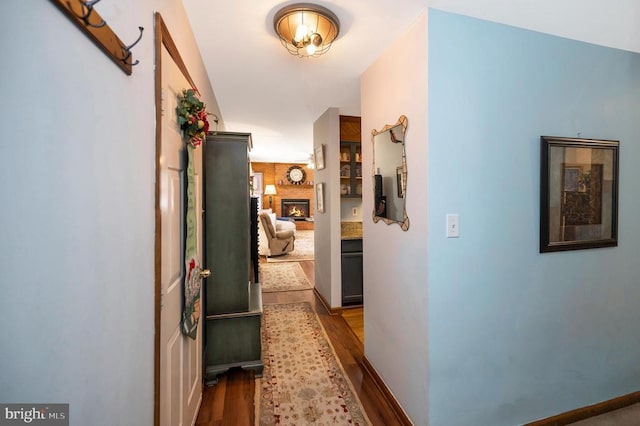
point(390, 174)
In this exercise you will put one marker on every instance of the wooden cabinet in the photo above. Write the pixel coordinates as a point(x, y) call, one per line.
point(351, 188)
point(350, 170)
point(350, 157)
point(351, 272)
point(233, 303)
point(350, 128)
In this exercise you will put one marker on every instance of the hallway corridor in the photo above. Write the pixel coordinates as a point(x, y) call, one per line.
point(230, 402)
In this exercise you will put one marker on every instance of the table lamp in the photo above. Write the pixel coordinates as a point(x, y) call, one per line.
point(270, 190)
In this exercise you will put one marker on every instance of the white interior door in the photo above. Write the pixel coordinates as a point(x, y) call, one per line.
point(180, 356)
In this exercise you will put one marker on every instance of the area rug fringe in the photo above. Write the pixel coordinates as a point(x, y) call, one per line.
point(301, 386)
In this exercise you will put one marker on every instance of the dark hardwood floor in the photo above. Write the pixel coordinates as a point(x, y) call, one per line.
point(230, 402)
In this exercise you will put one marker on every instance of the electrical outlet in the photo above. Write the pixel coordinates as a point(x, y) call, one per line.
point(354, 211)
point(453, 226)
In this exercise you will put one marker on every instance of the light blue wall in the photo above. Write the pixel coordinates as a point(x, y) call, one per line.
point(515, 335)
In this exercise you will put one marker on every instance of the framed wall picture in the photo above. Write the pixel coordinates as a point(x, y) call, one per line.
point(319, 157)
point(400, 182)
point(320, 197)
point(256, 186)
point(578, 193)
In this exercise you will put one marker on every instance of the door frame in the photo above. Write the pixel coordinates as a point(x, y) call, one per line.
point(162, 40)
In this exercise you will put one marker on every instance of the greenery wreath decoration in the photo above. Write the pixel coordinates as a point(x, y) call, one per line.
point(192, 117)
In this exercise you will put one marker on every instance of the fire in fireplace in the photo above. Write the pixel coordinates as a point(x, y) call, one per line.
point(296, 209)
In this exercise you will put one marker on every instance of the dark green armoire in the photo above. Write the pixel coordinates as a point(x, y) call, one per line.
point(232, 295)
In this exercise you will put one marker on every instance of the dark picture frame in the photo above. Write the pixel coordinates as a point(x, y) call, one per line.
point(578, 193)
point(400, 182)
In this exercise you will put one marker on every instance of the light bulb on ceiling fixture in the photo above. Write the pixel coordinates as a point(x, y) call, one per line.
point(311, 49)
point(301, 33)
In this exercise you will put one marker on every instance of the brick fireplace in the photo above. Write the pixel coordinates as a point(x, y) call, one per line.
point(277, 173)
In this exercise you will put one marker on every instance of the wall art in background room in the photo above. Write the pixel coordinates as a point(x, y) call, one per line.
point(578, 193)
point(400, 182)
point(319, 157)
point(320, 197)
point(256, 185)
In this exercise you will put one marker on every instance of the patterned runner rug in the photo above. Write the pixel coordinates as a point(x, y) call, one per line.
point(303, 381)
point(284, 276)
point(303, 249)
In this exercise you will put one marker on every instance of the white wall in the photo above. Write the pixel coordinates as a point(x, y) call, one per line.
point(395, 272)
point(348, 204)
point(326, 130)
point(77, 216)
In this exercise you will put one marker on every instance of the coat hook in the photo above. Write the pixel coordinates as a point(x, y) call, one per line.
point(88, 6)
point(126, 51)
point(215, 118)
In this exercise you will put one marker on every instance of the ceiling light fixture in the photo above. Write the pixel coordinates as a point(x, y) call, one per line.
point(306, 29)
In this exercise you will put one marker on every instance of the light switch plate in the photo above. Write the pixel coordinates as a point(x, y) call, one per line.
point(453, 226)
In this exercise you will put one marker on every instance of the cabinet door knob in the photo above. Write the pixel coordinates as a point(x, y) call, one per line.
point(205, 273)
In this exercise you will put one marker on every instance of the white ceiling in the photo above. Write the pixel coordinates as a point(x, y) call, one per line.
point(262, 89)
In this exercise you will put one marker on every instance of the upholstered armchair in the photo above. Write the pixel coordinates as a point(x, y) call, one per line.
point(279, 242)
